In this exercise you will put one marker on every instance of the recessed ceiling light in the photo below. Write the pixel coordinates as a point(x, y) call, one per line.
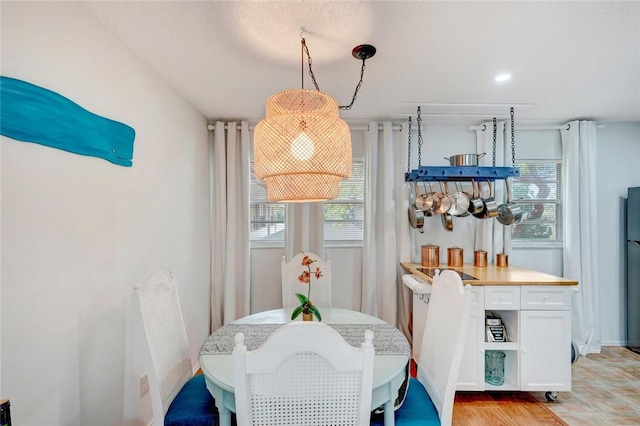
point(502, 77)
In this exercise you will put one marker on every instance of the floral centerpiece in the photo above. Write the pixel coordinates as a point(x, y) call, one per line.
point(306, 307)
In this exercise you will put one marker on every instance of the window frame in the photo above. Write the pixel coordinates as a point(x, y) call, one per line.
point(264, 202)
point(559, 202)
point(336, 243)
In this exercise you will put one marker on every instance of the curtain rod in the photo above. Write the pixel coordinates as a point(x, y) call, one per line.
point(534, 127)
point(396, 127)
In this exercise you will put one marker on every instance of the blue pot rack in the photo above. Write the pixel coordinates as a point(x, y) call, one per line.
point(460, 174)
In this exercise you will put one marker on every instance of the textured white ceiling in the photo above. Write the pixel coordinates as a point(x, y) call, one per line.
point(568, 59)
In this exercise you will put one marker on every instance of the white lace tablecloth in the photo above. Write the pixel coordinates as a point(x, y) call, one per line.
point(387, 339)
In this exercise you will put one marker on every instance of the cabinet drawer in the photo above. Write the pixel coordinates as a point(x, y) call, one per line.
point(546, 298)
point(477, 299)
point(502, 298)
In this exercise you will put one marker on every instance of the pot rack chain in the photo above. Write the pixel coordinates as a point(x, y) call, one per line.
point(459, 173)
point(513, 141)
point(419, 123)
point(495, 130)
point(409, 153)
point(305, 49)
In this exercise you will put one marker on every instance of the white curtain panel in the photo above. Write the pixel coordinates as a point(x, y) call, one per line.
point(580, 255)
point(230, 175)
point(490, 234)
point(304, 229)
point(406, 241)
point(386, 233)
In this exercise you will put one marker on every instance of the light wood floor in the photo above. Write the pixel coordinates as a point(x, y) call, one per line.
point(605, 392)
point(501, 409)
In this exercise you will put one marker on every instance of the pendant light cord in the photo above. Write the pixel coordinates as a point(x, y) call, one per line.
point(305, 49)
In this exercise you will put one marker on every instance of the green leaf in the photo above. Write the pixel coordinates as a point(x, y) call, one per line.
point(296, 312)
point(315, 312)
point(302, 298)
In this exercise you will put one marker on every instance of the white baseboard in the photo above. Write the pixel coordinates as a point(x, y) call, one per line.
point(614, 343)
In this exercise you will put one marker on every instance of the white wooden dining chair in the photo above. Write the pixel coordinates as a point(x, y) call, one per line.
point(177, 397)
point(305, 373)
point(430, 397)
point(320, 287)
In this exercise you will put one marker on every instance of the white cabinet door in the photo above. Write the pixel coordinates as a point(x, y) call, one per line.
point(471, 376)
point(545, 344)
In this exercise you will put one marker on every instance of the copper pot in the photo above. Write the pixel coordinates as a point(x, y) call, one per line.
point(430, 255)
point(480, 259)
point(502, 260)
point(455, 256)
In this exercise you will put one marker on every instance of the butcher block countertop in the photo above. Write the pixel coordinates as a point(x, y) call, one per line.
point(492, 275)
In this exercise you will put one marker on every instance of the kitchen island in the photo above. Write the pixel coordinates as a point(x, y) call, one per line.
point(535, 309)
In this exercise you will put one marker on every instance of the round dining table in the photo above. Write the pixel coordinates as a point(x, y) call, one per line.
point(390, 370)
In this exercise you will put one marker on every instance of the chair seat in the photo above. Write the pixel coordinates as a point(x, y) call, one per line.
point(193, 406)
point(417, 408)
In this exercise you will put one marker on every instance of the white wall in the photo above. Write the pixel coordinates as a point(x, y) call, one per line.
point(618, 169)
point(78, 232)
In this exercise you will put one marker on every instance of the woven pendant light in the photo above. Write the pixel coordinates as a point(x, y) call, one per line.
point(302, 149)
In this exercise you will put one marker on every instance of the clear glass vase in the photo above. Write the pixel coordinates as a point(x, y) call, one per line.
point(494, 367)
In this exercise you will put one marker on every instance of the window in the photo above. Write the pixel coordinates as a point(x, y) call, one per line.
point(344, 216)
point(538, 191)
point(266, 218)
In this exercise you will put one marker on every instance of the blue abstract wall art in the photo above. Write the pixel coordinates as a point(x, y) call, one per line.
point(31, 113)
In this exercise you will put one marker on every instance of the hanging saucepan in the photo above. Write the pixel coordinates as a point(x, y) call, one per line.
point(416, 215)
point(490, 208)
point(459, 202)
point(475, 202)
point(423, 201)
point(509, 213)
point(447, 222)
point(464, 159)
point(416, 218)
point(467, 195)
point(441, 202)
point(429, 212)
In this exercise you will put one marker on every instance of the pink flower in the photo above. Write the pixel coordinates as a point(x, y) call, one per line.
point(305, 277)
point(305, 301)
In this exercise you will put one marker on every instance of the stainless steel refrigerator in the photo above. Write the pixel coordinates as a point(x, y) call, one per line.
point(633, 268)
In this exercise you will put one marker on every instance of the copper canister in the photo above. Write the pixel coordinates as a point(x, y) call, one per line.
point(502, 260)
point(430, 255)
point(455, 256)
point(480, 259)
